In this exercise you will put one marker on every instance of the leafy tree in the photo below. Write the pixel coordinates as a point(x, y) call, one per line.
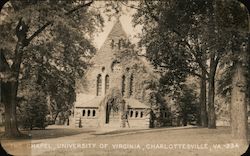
point(182, 37)
point(172, 41)
point(33, 109)
point(146, 81)
point(235, 18)
point(234, 84)
point(187, 101)
point(157, 104)
point(18, 37)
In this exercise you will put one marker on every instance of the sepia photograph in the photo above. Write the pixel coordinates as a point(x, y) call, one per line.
point(124, 78)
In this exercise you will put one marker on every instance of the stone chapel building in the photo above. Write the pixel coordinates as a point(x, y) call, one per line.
point(106, 73)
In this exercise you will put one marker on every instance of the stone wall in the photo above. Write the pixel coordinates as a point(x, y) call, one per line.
point(87, 117)
point(138, 119)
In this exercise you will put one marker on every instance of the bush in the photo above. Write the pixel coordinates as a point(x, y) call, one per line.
point(188, 105)
point(33, 111)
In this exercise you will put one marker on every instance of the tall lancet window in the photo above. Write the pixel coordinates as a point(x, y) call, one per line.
point(131, 85)
point(123, 85)
point(106, 83)
point(99, 85)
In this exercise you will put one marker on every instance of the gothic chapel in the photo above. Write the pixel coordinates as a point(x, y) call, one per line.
point(104, 74)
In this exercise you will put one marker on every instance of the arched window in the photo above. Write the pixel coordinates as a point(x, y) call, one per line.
point(131, 114)
point(131, 85)
point(103, 69)
point(93, 113)
point(83, 112)
point(112, 44)
point(123, 85)
point(136, 114)
point(106, 83)
point(99, 85)
point(141, 114)
point(88, 112)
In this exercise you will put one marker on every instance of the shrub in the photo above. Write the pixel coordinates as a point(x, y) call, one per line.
point(33, 111)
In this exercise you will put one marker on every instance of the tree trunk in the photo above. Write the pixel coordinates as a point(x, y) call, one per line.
point(239, 125)
point(123, 114)
point(184, 120)
point(56, 115)
point(203, 103)
point(211, 91)
point(11, 130)
point(211, 108)
point(10, 95)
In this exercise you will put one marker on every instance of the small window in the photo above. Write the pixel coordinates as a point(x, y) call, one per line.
point(88, 112)
point(103, 69)
point(93, 112)
point(131, 114)
point(83, 113)
point(131, 85)
point(99, 85)
point(136, 114)
point(106, 83)
point(165, 115)
point(141, 114)
point(123, 85)
point(112, 44)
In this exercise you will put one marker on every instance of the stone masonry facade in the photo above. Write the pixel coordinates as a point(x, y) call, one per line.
point(105, 74)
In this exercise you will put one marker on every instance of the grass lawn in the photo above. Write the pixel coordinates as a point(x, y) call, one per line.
point(22, 146)
point(52, 132)
point(164, 141)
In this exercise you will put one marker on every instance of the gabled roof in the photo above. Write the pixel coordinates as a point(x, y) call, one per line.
point(87, 100)
point(106, 52)
point(117, 32)
point(134, 103)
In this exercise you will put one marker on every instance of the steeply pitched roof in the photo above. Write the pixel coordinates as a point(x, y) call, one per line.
point(117, 32)
point(87, 100)
point(134, 103)
point(106, 52)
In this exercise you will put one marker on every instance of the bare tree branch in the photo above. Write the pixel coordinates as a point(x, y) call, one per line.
point(39, 31)
point(2, 3)
point(79, 7)
point(195, 74)
point(36, 33)
point(4, 65)
point(130, 6)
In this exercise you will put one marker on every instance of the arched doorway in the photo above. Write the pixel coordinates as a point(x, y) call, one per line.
point(112, 116)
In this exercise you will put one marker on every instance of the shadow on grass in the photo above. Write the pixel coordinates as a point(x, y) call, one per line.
point(49, 133)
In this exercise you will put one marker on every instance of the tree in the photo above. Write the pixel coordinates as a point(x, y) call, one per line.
point(235, 19)
point(33, 109)
point(146, 80)
point(186, 38)
point(24, 37)
point(178, 44)
point(188, 105)
point(234, 85)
